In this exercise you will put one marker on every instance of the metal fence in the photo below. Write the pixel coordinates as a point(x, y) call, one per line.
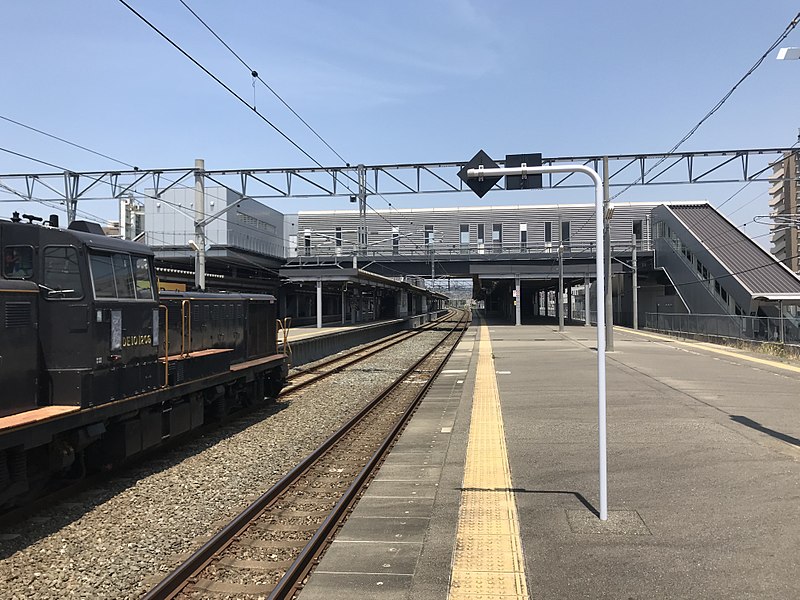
point(759, 329)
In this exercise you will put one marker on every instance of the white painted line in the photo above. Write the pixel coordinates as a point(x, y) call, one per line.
point(453, 371)
point(503, 372)
point(460, 381)
point(447, 430)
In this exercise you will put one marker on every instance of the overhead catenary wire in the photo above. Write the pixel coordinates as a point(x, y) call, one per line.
point(792, 24)
point(256, 76)
point(241, 99)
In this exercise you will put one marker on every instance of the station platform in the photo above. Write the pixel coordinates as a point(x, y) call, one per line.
point(492, 490)
point(310, 343)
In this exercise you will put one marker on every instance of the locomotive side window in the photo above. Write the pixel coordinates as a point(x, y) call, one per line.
point(103, 276)
point(141, 272)
point(62, 275)
point(121, 276)
point(18, 262)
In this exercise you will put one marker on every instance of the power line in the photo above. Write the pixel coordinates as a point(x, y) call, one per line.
point(255, 75)
point(237, 96)
point(792, 24)
point(60, 139)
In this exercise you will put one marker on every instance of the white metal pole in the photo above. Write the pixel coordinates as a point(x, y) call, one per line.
point(319, 303)
point(518, 300)
point(635, 285)
point(344, 306)
point(560, 295)
point(601, 290)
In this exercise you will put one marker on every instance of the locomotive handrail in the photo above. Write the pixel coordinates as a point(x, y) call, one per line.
point(284, 326)
point(184, 350)
point(166, 343)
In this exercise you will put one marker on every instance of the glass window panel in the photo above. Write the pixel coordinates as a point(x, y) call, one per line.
point(144, 282)
point(18, 262)
point(123, 275)
point(62, 272)
point(103, 276)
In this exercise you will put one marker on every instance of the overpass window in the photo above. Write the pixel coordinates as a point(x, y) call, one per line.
point(637, 229)
point(565, 232)
point(481, 234)
point(548, 234)
point(497, 235)
point(338, 237)
point(395, 240)
point(523, 235)
point(464, 235)
point(429, 235)
point(307, 242)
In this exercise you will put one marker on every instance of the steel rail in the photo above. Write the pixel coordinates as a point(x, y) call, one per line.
point(349, 360)
point(184, 573)
point(292, 580)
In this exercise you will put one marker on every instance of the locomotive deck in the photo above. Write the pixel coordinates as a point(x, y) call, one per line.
point(34, 416)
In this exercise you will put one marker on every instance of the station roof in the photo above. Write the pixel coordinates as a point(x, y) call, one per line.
point(360, 276)
point(758, 270)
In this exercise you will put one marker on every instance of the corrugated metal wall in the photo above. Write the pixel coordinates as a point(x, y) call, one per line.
point(409, 226)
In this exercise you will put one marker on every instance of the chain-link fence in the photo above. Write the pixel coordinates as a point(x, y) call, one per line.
point(760, 329)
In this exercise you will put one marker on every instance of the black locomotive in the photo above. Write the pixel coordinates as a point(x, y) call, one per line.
point(96, 365)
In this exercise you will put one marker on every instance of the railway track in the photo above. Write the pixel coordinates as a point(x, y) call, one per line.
point(337, 363)
point(269, 548)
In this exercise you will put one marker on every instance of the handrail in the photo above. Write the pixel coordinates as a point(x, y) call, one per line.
point(184, 350)
point(166, 343)
point(287, 347)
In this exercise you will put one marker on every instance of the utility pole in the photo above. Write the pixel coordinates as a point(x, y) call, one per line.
point(561, 287)
point(433, 264)
point(635, 285)
point(362, 209)
point(199, 224)
point(609, 320)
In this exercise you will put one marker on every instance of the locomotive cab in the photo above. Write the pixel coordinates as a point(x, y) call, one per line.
point(97, 311)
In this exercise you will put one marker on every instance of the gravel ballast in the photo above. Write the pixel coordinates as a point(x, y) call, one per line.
point(120, 538)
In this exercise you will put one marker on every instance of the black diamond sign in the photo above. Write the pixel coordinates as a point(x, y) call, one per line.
point(527, 182)
point(479, 185)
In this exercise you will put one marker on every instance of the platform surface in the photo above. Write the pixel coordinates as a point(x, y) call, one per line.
point(310, 331)
point(703, 462)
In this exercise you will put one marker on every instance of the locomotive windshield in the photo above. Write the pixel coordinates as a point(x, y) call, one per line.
point(62, 274)
point(121, 276)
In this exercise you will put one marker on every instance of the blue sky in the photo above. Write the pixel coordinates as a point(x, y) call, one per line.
point(398, 82)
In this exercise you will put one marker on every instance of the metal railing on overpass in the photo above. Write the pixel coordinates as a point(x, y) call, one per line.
point(315, 251)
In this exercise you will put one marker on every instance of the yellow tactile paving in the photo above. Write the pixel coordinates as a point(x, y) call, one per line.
point(717, 350)
point(487, 560)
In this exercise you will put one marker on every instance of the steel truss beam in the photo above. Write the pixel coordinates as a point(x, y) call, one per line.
point(720, 166)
